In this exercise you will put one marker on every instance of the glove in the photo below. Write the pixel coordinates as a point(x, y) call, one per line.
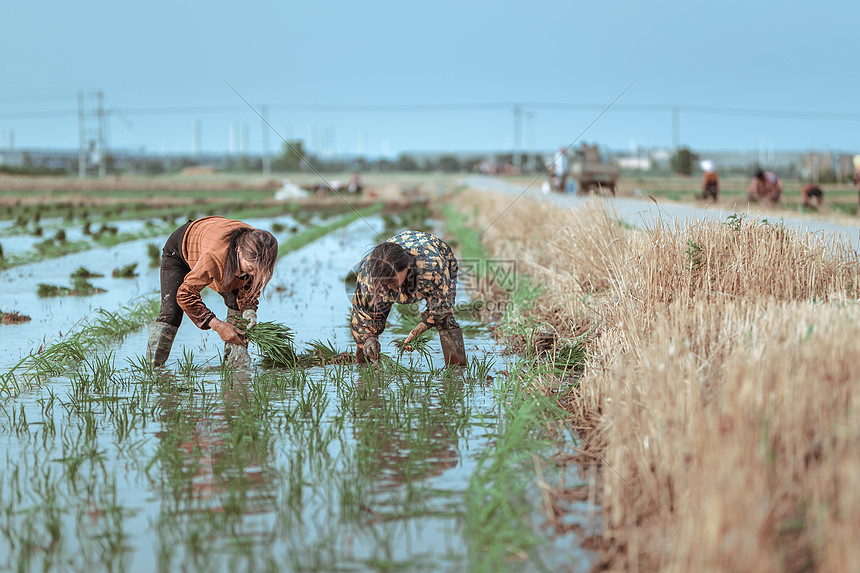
point(251, 316)
point(371, 348)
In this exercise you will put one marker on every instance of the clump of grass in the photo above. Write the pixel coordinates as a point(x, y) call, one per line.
point(126, 272)
point(274, 342)
point(80, 287)
point(84, 273)
point(83, 287)
point(154, 253)
point(44, 246)
point(45, 290)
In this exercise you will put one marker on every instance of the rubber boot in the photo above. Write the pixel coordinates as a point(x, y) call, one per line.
point(236, 355)
point(160, 342)
point(453, 347)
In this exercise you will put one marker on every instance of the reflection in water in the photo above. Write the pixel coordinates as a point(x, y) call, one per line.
point(213, 454)
point(402, 441)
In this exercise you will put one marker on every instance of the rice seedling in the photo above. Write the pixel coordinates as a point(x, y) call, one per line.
point(45, 290)
point(84, 273)
point(126, 272)
point(479, 368)
point(153, 251)
point(82, 287)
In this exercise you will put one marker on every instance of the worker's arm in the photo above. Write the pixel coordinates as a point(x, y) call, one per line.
point(188, 296)
point(367, 317)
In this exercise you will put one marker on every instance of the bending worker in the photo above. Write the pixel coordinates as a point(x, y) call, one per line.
point(408, 267)
point(233, 259)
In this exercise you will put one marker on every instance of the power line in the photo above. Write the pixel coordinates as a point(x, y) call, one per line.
point(473, 106)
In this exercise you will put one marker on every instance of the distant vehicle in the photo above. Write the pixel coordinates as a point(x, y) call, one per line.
point(592, 174)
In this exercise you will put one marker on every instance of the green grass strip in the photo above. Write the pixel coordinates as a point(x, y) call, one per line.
point(465, 238)
point(64, 355)
point(61, 249)
point(314, 233)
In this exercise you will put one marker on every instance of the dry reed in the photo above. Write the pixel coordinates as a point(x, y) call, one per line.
point(719, 387)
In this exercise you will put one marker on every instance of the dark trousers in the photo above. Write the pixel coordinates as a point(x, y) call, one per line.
point(173, 271)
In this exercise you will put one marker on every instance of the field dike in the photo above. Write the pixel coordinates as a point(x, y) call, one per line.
point(718, 397)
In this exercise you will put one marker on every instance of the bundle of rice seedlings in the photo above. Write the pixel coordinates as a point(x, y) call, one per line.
point(274, 342)
point(84, 273)
point(419, 345)
point(126, 272)
point(326, 353)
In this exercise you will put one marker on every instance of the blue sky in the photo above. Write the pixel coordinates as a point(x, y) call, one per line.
point(381, 78)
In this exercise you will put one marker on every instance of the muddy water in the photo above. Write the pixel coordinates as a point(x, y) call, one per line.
point(333, 470)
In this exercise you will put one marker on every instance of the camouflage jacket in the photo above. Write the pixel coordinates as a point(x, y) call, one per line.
point(432, 278)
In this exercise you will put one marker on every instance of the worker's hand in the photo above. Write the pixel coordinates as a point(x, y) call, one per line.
point(371, 348)
point(416, 332)
point(251, 316)
point(228, 333)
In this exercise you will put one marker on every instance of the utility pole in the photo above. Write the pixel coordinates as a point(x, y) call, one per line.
point(516, 154)
point(92, 133)
point(530, 126)
point(676, 127)
point(267, 160)
point(102, 139)
point(82, 138)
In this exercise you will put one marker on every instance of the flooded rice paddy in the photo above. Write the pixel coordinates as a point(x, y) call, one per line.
point(111, 465)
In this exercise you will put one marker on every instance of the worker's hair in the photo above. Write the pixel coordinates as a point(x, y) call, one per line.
point(258, 247)
point(384, 262)
point(759, 174)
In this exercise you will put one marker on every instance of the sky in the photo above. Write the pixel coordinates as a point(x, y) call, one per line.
point(381, 78)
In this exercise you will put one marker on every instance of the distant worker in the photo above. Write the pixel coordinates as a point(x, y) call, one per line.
point(409, 267)
point(765, 187)
point(857, 176)
point(232, 258)
point(813, 196)
point(355, 185)
point(710, 181)
point(560, 170)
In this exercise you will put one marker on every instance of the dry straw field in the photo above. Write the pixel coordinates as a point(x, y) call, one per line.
point(720, 397)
